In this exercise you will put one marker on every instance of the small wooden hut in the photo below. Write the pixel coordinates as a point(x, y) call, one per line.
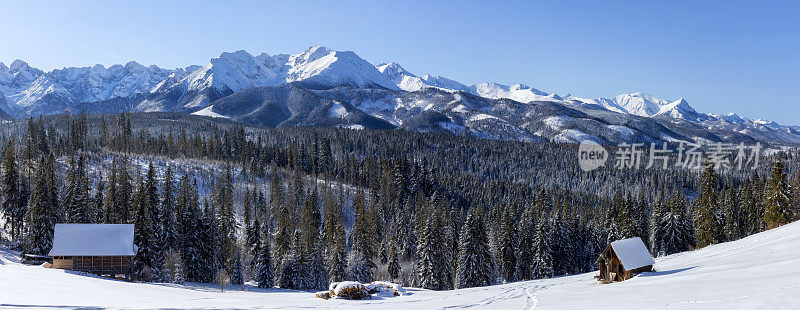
point(623, 259)
point(101, 249)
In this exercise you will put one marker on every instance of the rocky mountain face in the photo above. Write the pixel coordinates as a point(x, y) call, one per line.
point(322, 87)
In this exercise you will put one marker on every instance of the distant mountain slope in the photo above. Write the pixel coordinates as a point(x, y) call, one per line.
point(434, 109)
point(362, 93)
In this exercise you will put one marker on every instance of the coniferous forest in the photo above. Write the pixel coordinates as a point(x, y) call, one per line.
point(212, 200)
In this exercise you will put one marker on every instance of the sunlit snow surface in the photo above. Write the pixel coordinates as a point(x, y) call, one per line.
point(758, 272)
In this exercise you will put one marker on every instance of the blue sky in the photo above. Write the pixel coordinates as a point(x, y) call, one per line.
point(722, 56)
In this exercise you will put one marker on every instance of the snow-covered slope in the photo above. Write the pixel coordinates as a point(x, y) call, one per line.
point(758, 272)
point(516, 92)
point(409, 82)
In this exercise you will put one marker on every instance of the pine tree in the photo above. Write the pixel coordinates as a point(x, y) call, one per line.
point(42, 211)
point(145, 264)
point(254, 241)
point(543, 259)
point(433, 267)
point(707, 227)
point(311, 250)
point(210, 245)
point(169, 212)
point(191, 233)
point(393, 268)
point(508, 241)
point(13, 207)
point(227, 222)
point(265, 276)
point(475, 264)
point(778, 209)
point(363, 233)
point(525, 249)
point(237, 278)
point(333, 231)
point(76, 193)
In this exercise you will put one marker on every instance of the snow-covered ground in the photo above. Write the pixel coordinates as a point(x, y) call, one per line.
point(758, 272)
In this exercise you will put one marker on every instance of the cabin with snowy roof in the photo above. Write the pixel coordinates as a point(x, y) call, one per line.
point(101, 249)
point(623, 259)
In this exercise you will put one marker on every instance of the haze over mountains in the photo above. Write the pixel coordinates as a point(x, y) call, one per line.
point(321, 87)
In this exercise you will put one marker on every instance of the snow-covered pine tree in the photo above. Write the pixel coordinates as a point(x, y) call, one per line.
point(508, 242)
point(657, 213)
point(225, 217)
point(209, 243)
point(169, 213)
point(42, 213)
point(563, 251)
point(708, 229)
point(731, 213)
point(96, 204)
point(433, 265)
point(191, 232)
point(363, 234)
point(334, 234)
point(543, 259)
point(290, 272)
point(778, 210)
point(110, 215)
point(76, 193)
point(253, 242)
point(525, 253)
point(124, 193)
point(393, 268)
point(283, 235)
point(265, 275)
point(475, 263)
point(145, 264)
point(311, 248)
point(14, 204)
point(235, 271)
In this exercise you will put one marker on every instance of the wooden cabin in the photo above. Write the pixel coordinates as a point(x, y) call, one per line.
point(623, 259)
point(101, 249)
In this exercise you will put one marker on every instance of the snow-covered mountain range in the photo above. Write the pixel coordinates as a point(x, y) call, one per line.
point(322, 87)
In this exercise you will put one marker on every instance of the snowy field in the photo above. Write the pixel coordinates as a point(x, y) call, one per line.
point(758, 272)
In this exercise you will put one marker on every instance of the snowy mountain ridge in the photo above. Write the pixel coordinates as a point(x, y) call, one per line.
point(386, 91)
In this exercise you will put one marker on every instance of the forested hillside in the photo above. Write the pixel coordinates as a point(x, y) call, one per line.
point(301, 207)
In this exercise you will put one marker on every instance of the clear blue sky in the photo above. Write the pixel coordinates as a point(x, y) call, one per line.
point(722, 56)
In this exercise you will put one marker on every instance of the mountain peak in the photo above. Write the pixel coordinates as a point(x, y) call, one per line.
point(18, 64)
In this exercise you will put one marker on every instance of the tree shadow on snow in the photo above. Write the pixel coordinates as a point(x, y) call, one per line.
point(664, 272)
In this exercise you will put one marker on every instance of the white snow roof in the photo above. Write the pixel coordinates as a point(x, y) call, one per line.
point(632, 253)
point(93, 240)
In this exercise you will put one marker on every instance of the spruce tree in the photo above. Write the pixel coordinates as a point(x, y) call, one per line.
point(525, 249)
point(778, 210)
point(76, 193)
point(334, 233)
point(312, 260)
point(265, 276)
point(543, 259)
point(363, 233)
point(708, 229)
point(13, 207)
point(475, 264)
point(508, 241)
point(42, 211)
point(145, 264)
point(169, 213)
